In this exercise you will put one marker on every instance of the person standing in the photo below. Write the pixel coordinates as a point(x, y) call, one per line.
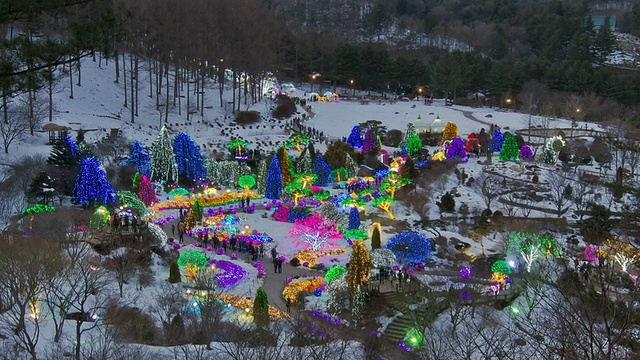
point(173, 229)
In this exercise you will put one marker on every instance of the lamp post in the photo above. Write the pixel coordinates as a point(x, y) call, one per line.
point(313, 78)
point(508, 101)
point(352, 88)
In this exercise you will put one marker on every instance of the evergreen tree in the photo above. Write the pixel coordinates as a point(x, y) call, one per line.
point(41, 189)
point(526, 153)
point(414, 145)
point(322, 171)
point(188, 157)
point(376, 243)
point(304, 162)
point(261, 177)
point(92, 185)
point(65, 153)
point(354, 219)
point(274, 179)
point(197, 210)
point(509, 151)
point(408, 170)
point(261, 309)
point(285, 166)
point(359, 266)
point(174, 272)
point(369, 143)
point(496, 142)
point(450, 132)
point(351, 166)
point(410, 130)
point(146, 192)
point(355, 137)
point(604, 43)
point(163, 162)
point(456, 150)
point(139, 157)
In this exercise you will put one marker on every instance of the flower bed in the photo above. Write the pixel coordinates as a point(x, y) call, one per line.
point(231, 275)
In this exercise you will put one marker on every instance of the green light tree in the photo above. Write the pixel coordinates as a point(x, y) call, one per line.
point(261, 309)
point(414, 145)
point(295, 140)
point(510, 150)
point(533, 246)
point(392, 182)
point(384, 202)
point(246, 182)
point(340, 174)
point(300, 186)
point(237, 145)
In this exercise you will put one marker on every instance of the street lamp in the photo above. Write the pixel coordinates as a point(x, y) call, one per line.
point(313, 78)
point(508, 101)
point(352, 88)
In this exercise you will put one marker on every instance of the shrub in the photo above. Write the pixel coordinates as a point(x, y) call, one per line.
point(247, 117)
point(410, 247)
point(535, 178)
point(447, 203)
point(131, 325)
point(295, 262)
point(286, 107)
point(392, 138)
point(174, 273)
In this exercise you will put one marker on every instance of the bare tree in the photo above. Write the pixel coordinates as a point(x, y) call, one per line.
point(558, 189)
point(488, 186)
point(13, 129)
point(125, 265)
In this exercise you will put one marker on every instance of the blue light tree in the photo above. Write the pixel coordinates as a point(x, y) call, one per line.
point(355, 138)
point(92, 185)
point(274, 179)
point(410, 247)
point(139, 157)
point(188, 157)
point(496, 142)
point(163, 162)
point(322, 170)
point(354, 219)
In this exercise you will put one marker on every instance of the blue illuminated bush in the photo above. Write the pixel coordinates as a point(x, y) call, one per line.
point(410, 247)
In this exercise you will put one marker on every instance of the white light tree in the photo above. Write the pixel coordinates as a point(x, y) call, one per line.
point(622, 252)
point(315, 232)
point(533, 246)
point(163, 161)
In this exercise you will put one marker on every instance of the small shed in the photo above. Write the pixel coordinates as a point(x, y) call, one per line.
point(57, 129)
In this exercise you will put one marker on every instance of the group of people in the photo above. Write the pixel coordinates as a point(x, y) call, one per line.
point(124, 222)
point(277, 261)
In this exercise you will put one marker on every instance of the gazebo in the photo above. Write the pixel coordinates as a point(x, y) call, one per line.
point(437, 125)
point(57, 129)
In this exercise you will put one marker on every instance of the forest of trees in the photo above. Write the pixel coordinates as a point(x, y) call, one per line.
point(503, 48)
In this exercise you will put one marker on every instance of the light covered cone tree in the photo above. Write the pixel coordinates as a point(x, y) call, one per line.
point(359, 266)
point(163, 162)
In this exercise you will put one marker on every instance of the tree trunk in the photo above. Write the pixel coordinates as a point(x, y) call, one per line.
point(166, 106)
point(31, 101)
point(159, 75)
point(78, 67)
point(71, 81)
point(50, 95)
point(203, 74)
point(186, 78)
point(150, 65)
point(78, 335)
point(133, 107)
point(137, 73)
point(117, 80)
point(124, 78)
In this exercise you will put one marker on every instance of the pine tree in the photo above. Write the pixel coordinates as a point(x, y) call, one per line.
point(354, 219)
point(496, 142)
point(261, 309)
point(65, 153)
point(92, 185)
point(355, 137)
point(41, 189)
point(139, 157)
point(369, 143)
point(146, 192)
point(376, 243)
point(163, 162)
point(285, 166)
point(351, 166)
point(304, 163)
point(410, 130)
point(456, 150)
point(450, 132)
point(174, 272)
point(261, 177)
point(274, 179)
point(188, 157)
point(190, 220)
point(408, 170)
point(509, 150)
point(359, 266)
point(197, 210)
point(414, 145)
point(322, 171)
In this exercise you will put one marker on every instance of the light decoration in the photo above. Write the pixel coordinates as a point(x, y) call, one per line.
point(500, 271)
point(335, 272)
point(131, 200)
point(526, 153)
point(237, 145)
point(293, 289)
point(339, 174)
point(509, 151)
point(450, 132)
point(369, 143)
point(532, 246)
point(247, 303)
point(621, 251)
point(158, 233)
point(456, 150)
point(591, 253)
point(274, 179)
point(414, 145)
point(192, 261)
point(552, 147)
point(438, 156)
point(356, 235)
point(359, 266)
point(146, 191)
point(295, 140)
point(322, 171)
point(351, 166)
point(367, 194)
point(410, 247)
point(315, 232)
point(139, 157)
point(246, 182)
point(355, 137)
point(38, 208)
point(178, 192)
point(232, 273)
point(465, 272)
point(163, 162)
point(496, 142)
point(384, 202)
point(92, 185)
point(311, 257)
point(100, 218)
point(392, 182)
point(286, 168)
point(301, 186)
point(414, 338)
point(382, 258)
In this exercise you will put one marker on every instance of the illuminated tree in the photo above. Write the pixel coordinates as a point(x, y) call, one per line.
point(197, 210)
point(339, 174)
point(132, 201)
point(192, 261)
point(295, 140)
point(552, 147)
point(496, 142)
point(359, 266)
point(622, 252)
point(300, 186)
point(369, 144)
point(261, 309)
point(410, 247)
point(456, 150)
point(274, 179)
point(92, 185)
point(355, 235)
point(315, 232)
point(509, 151)
point(304, 162)
point(450, 132)
point(353, 202)
point(533, 246)
point(65, 153)
point(438, 156)
point(163, 162)
point(384, 202)
point(355, 137)
point(246, 182)
point(392, 182)
point(334, 273)
point(188, 157)
point(139, 157)
point(351, 166)
point(322, 171)
point(408, 132)
point(237, 145)
point(526, 153)
point(146, 191)
point(354, 219)
point(261, 179)
point(414, 145)
point(285, 166)
point(190, 220)
point(500, 270)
